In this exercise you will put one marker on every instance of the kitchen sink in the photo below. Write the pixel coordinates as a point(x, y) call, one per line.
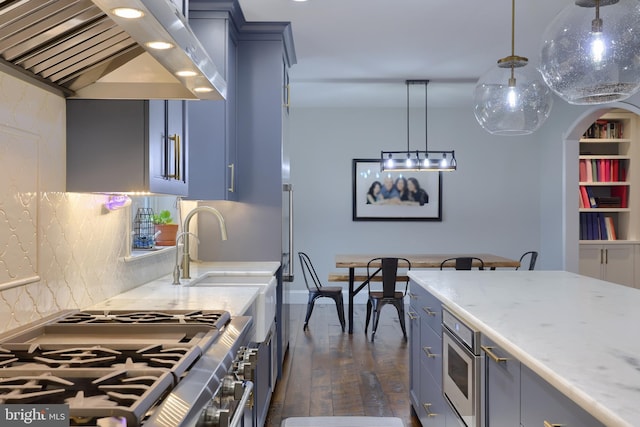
point(263, 309)
point(214, 279)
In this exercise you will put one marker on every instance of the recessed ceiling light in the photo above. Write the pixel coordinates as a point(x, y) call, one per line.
point(186, 73)
point(127, 12)
point(202, 89)
point(159, 45)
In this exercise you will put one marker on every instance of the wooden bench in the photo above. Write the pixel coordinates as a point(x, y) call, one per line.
point(341, 277)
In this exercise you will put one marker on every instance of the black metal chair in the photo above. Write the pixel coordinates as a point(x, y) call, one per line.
point(389, 295)
point(316, 290)
point(462, 263)
point(532, 259)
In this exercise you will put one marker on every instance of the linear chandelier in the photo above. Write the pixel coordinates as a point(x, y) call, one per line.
point(417, 160)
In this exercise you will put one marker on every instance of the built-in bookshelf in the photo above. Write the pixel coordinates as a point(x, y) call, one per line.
point(605, 183)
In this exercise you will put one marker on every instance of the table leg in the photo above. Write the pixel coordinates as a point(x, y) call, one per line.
point(351, 295)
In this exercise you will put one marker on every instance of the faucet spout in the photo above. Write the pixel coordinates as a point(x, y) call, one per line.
point(186, 259)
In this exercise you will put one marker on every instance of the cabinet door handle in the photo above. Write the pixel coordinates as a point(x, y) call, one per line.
point(176, 159)
point(606, 256)
point(492, 355)
point(232, 187)
point(413, 316)
point(427, 351)
point(413, 296)
point(429, 311)
point(287, 102)
point(427, 407)
point(548, 424)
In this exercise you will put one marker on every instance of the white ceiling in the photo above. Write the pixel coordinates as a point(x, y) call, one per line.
point(360, 52)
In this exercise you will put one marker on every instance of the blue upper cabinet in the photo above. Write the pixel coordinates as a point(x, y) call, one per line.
point(126, 146)
point(236, 150)
point(212, 124)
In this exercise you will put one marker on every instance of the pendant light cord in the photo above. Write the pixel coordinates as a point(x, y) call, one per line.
point(408, 135)
point(513, 37)
point(426, 116)
point(513, 27)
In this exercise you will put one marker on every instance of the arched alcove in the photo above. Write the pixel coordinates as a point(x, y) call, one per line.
point(570, 211)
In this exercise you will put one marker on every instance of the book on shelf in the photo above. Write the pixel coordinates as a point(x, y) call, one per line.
point(596, 226)
point(621, 192)
point(605, 129)
point(602, 170)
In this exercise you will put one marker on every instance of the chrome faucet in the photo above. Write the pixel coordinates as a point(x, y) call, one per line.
point(176, 269)
point(186, 259)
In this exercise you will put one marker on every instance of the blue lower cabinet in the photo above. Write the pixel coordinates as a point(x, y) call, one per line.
point(501, 384)
point(542, 404)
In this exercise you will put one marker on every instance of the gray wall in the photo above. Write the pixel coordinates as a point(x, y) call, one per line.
point(491, 204)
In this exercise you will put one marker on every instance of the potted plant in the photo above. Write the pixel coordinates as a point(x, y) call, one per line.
point(163, 223)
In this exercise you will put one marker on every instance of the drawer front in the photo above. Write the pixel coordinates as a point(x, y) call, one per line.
point(434, 409)
point(431, 353)
point(428, 306)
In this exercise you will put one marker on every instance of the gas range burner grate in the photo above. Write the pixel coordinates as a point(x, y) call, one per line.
point(37, 357)
point(128, 394)
point(213, 318)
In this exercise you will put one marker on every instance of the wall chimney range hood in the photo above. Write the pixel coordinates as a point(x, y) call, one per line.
point(83, 49)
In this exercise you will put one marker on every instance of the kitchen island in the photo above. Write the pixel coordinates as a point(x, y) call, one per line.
point(577, 333)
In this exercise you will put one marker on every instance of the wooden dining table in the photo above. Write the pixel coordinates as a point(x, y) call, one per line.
point(354, 261)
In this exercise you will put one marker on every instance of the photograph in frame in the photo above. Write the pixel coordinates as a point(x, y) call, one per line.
point(395, 196)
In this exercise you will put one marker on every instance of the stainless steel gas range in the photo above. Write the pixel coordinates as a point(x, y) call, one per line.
point(143, 368)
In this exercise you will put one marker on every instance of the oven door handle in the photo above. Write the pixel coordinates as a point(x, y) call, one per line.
point(239, 414)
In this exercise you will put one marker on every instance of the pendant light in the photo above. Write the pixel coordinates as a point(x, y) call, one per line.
point(591, 51)
point(511, 99)
point(417, 160)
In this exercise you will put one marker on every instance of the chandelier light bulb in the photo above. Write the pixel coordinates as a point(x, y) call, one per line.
point(409, 162)
point(390, 163)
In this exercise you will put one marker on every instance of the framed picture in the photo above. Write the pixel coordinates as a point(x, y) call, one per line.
point(395, 196)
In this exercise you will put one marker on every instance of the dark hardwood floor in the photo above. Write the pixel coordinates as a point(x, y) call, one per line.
point(328, 372)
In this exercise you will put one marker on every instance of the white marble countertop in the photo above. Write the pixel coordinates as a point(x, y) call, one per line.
point(160, 294)
point(579, 334)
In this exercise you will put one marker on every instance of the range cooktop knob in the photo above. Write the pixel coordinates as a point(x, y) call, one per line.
point(231, 388)
point(211, 416)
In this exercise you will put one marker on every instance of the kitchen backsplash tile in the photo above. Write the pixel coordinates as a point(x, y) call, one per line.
point(76, 247)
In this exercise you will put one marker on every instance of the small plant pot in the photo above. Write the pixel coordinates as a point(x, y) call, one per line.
point(167, 236)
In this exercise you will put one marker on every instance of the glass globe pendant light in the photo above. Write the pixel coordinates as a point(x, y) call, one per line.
point(510, 99)
point(591, 53)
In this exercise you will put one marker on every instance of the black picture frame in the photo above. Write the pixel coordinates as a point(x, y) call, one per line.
point(366, 173)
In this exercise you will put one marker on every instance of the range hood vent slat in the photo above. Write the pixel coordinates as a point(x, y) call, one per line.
point(73, 44)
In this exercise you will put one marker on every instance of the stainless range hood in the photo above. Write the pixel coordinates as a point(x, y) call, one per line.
point(86, 51)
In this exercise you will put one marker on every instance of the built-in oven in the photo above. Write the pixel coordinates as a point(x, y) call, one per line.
point(461, 368)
